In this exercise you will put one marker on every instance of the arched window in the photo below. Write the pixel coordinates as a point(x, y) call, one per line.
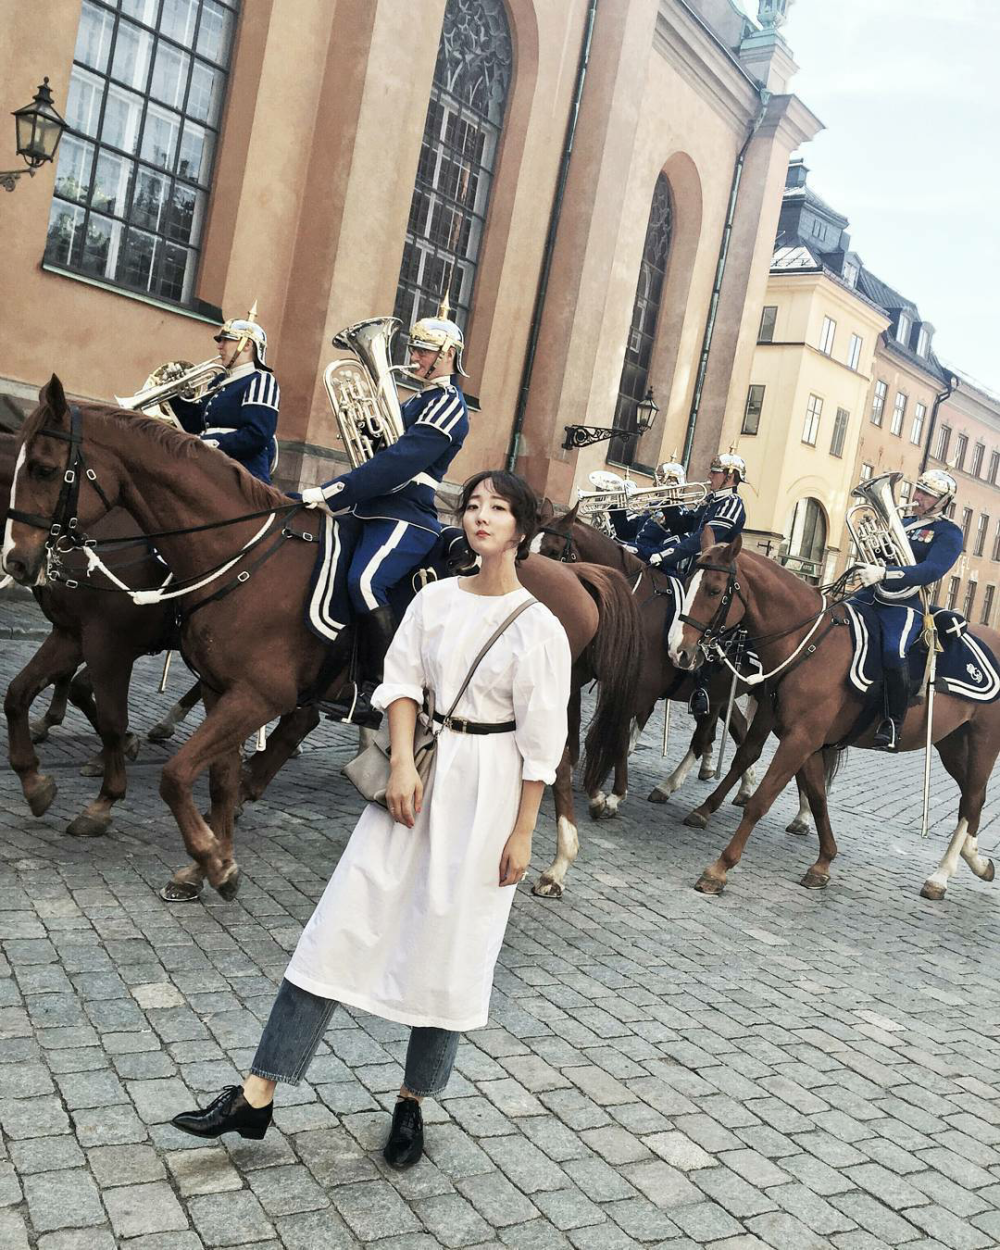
point(457, 159)
point(145, 106)
point(805, 548)
point(645, 312)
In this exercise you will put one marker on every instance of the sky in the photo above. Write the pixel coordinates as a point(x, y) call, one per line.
point(909, 92)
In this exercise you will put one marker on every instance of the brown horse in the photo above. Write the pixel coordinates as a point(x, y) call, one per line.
point(244, 631)
point(815, 706)
point(568, 539)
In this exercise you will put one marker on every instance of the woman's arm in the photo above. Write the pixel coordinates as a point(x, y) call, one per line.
point(405, 792)
point(517, 849)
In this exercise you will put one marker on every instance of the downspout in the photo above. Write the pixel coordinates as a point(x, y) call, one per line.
point(720, 273)
point(550, 239)
point(950, 388)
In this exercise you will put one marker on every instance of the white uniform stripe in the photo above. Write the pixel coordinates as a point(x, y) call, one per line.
point(390, 544)
point(8, 537)
point(443, 413)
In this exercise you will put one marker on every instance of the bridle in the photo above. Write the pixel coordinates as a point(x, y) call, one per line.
point(63, 524)
point(569, 554)
point(711, 631)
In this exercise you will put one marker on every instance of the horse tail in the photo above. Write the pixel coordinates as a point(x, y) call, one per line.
point(832, 760)
point(616, 657)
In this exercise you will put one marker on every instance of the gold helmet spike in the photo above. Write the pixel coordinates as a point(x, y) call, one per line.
point(244, 339)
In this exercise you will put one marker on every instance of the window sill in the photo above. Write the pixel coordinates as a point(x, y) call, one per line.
point(210, 316)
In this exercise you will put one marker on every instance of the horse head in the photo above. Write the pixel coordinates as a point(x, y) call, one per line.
point(555, 533)
point(713, 601)
point(55, 493)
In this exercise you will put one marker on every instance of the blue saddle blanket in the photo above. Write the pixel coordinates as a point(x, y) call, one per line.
point(966, 668)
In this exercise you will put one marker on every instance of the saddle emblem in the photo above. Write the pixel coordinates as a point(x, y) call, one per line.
point(975, 673)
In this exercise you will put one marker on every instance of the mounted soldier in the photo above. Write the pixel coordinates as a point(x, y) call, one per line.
point(724, 514)
point(935, 543)
point(238, 413)
point(386, 519)
point(646, 532)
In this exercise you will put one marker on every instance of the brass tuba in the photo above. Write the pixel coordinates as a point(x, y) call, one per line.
point(878, 532)
point(362, 391)
point(177, 379)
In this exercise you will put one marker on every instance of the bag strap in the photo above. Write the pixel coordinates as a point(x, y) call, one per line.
point(522, 607)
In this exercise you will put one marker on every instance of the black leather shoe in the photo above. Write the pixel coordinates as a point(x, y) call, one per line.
point(230, 1113)
point(887, 736)
point(355, 711)
point(406, 1137)
point(698, 704)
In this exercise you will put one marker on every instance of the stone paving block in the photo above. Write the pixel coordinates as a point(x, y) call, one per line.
point(679, 1151)
point(160, 1100)
point(205, 1170)
point(615, 1145)
point(33, 1117)
point(63, 1199)
point(46, 1154)
point(784, 1232)
point(287, 1190)
point(812, 1210)
point(453, 1220)
point(496, 1199)
point(524, 1164)
point(13, 1232)
point(91, 1089)
point(178, 1241)
point(536, 1234)
point(478, 1116)
point(601, 1237)
point(136, 1210)
point(889, 1188)
point(510, 1097)
point(373, 1209)
point(956, 1233)
point(554, 1137)
point(317, 1230)
point(534, 1073)
point(109, 1126)
point(569, 1208)
point(346, 1097)
point(661, 1183)
point(124, 1165)
point(574, 1108)
point(77, 1239)
point(335, 1158)
point(705, 1222)
point(229, 1219)
point(641, 1220)
point(874, 1217)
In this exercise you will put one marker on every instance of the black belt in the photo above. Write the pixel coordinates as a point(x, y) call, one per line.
point(461, 726)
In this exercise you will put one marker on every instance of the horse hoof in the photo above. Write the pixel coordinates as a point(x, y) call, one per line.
point(657, 796)
point(40, 799)
point(180, 892)
point(39, 731)
point(160, 733)
point(797, 826)
point(88, 826)
point(741, 800)
point(131, 747)
point(228, 889)
point(708, 885)
point(815, 881)
point(93, 768)
point(706, 776)
point(932, 891)
point(695, 820)
point(545, 887)
point(990, 872)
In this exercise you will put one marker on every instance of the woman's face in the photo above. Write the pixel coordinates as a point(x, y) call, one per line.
point(489, 522)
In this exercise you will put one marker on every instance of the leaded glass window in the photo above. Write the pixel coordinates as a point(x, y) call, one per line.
point(458, 154)
point(634, 380)
point(145, 100)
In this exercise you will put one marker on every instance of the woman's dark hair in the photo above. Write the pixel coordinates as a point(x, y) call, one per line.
point(517, 493)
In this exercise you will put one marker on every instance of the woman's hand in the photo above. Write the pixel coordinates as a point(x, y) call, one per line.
point(405, 793)
point(515, 858)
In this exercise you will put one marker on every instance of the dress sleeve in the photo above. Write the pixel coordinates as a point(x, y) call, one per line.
point(404, 669)
point(541, 693)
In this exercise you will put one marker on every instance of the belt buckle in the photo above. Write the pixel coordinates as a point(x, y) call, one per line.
point(456, 724)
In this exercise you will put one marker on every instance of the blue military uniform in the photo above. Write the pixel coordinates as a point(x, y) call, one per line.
point(240, 417)
point(723, 511)
point(936, 543)
point(644, 532)
point(389, 522)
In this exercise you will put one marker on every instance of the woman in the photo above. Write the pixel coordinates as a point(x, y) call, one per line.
point(410, 926)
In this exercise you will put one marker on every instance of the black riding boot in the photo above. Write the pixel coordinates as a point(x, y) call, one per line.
point(698, 704)
point(376, 631)
point(896, 689)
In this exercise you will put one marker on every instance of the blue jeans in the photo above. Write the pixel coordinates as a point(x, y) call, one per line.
point(296, 1026)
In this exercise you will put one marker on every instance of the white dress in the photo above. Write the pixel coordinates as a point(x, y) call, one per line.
point(410, 926)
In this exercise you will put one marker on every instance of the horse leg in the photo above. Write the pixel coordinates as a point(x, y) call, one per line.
point(81, 694)
point(550, 883)
point(231, 720)
point(56, 659)
point(670, 785)
point(165, 728)
point(811, 778)
point(605, 806)
point(747, 754)
point(258, 774)
point(800, 822)
point(112, 677)
point(703, 740)
point(970, 766)
point(788, 758)
point(56, 713)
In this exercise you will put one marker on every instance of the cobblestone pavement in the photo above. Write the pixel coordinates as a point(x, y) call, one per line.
point(772, 1068)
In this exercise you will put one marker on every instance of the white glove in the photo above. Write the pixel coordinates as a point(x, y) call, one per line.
point(630, 548)
point(870, 574)
point(659, 556)
point(313, 497)
point(211, 442)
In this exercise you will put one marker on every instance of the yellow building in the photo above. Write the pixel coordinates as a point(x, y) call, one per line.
point(565, 169)
point(799, 425)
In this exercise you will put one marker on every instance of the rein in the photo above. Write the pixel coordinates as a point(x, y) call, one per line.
point(568, 555)
point(63, 527)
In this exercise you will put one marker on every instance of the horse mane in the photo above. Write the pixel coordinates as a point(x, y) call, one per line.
point(173, 443)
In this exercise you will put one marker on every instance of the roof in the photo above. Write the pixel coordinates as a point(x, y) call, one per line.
point(797, 256)
point(884, 295)
point(809, 196)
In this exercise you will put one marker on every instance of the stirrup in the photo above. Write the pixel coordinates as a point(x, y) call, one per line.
point(886, 736)
point(699, 704)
